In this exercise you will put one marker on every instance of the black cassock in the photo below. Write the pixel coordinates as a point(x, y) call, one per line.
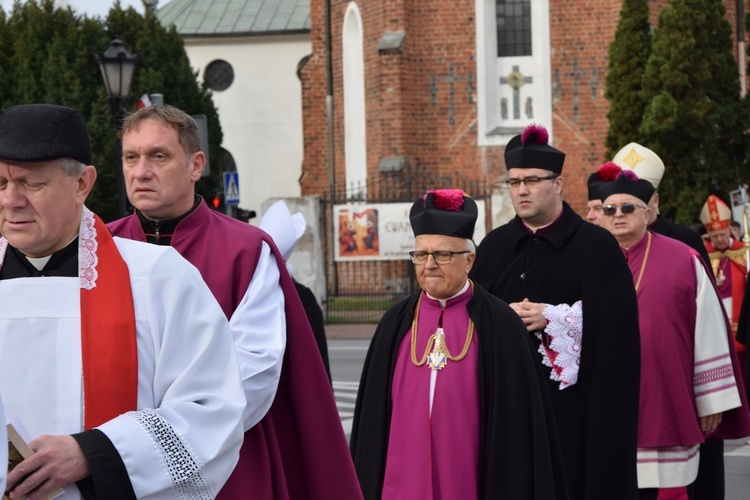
point(597, 419)
point(519, 457)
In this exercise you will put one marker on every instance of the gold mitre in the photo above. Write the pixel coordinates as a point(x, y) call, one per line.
point(645, 163)
point(715, 214)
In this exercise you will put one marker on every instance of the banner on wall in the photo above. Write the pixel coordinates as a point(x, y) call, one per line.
point(380, 231)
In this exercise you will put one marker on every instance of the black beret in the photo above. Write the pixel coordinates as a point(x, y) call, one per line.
point(43, 132)
point(625, 184)
point(447, 212)
point(594, 183)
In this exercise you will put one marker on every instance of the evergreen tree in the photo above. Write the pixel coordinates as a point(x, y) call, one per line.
point(628, 55)
point(694, 119)
point(47, 55)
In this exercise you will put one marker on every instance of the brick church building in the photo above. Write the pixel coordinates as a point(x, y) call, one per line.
point(443, 85)
point(438, 87)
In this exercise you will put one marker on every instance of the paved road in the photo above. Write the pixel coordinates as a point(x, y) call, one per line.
point(347, 356)
point(737, 469)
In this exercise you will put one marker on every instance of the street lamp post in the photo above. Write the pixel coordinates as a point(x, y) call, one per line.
point(117, 66)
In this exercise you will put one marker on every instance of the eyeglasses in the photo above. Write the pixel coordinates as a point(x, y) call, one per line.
point(625, 208)
point(529, 181)
point(441, 256)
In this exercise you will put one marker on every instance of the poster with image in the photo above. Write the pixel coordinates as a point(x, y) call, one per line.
point(380, 231)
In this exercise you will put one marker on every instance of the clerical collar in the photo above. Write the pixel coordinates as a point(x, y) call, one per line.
point(540, 230)
point(445, 301)
point(161, 231)
point(62, 263)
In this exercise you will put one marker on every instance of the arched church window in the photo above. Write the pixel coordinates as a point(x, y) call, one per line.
point(355, 139)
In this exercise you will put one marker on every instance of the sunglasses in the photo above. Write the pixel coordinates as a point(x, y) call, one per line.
point(625, 208)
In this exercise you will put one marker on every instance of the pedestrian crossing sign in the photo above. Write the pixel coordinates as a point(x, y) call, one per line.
point(231, 188)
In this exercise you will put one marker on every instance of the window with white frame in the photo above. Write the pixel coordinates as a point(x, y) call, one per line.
point(513, 67)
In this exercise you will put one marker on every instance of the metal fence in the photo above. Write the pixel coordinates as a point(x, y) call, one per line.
point(361, 291)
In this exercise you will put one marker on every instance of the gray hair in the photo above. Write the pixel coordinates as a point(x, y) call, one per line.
point(70, 166)
point(184, 124)
point(470, 246)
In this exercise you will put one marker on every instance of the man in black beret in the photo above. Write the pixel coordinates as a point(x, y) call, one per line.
point(569, 283)
point(94, 362)
point(451, 403)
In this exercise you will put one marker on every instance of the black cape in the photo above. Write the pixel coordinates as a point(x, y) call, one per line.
point(684, 234)
point(317, 321)
point(743, 330)
point(597, 419)
point(519, 452)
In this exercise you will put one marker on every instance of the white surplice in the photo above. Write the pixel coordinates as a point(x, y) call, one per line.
point(184, 440)
point(3, 448)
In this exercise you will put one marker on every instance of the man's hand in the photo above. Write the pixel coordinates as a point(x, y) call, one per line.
point(57, 461)
point(709, 423)
point(531, 314)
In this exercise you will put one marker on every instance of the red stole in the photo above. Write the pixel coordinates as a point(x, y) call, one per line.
point(108, 335)
point(737, 270)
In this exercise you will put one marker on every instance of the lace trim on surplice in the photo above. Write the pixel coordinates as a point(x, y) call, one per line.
point(177, 458)
point(565, 333)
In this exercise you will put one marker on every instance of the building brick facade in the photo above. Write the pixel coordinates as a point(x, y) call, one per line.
point(421, 98)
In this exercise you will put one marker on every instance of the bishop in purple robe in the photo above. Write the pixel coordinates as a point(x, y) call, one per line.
point(452, 402)
point(690, 383)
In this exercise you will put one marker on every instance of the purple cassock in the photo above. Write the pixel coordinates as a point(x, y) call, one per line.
point(433, 449)
point(298, 450)
point(682, 366)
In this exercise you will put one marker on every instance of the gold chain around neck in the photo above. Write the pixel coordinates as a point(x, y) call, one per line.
point(643, 265)
point(431, 340)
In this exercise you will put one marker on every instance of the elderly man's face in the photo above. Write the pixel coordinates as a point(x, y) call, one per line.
point(159, 175)
point(626, 228)
point(720, 239)
point(40, 206)
point(443, 281)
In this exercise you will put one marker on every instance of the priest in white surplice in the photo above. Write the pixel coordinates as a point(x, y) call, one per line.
point(114, 355)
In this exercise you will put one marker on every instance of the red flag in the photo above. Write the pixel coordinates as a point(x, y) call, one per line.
point(143, 102)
